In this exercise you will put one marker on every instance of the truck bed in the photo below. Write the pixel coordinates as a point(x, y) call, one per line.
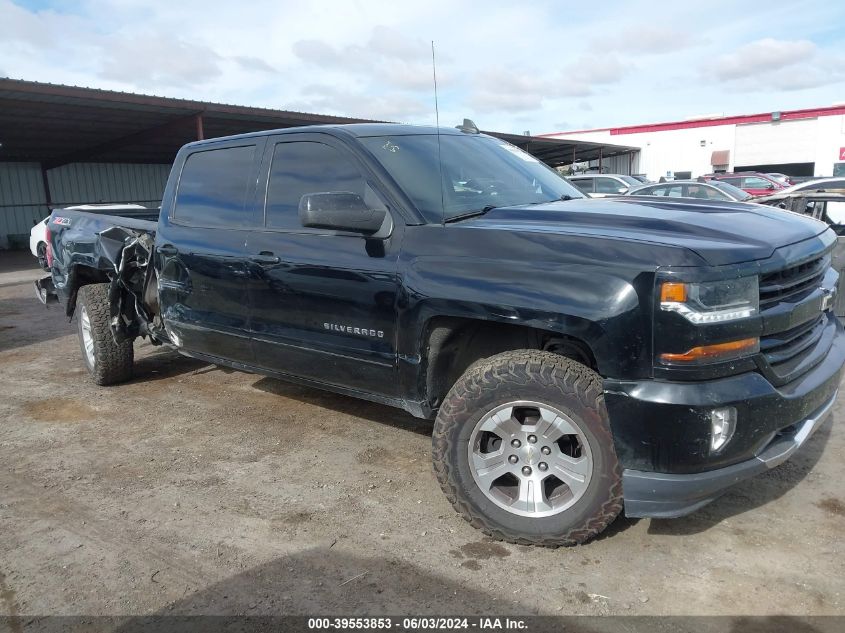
point(93, 243)
point(141, 219)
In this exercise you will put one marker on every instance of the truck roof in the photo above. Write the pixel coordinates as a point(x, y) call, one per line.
point(359, 130)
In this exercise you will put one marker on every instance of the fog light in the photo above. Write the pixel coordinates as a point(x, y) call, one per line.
point(722, 427)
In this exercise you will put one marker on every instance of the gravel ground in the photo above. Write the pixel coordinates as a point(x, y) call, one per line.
point(195, 489)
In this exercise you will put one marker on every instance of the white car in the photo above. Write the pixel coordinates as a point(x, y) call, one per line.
point(38, 242)
point(819, 184)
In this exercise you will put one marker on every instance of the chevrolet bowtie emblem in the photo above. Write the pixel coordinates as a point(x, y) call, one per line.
point(828, 298)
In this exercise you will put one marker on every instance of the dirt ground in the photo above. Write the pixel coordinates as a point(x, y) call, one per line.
point(195, 489)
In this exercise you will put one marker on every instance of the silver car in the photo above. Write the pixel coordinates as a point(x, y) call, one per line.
point(711, 190)
point(603, 185)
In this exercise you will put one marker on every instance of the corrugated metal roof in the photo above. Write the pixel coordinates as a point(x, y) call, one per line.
point(55, 125)
point(62, 93)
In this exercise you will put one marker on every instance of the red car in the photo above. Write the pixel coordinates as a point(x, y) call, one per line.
point(753, 182)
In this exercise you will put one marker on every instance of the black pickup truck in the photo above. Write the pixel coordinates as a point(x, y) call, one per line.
point(579, 355)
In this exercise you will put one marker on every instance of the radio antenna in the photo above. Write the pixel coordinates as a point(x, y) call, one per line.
point(437, 123)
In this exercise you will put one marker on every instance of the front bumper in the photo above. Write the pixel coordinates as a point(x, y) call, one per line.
point(662, 431)
point(663, 495)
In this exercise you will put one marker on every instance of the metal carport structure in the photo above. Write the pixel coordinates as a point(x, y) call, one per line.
point(62, 145)
point(557, 152)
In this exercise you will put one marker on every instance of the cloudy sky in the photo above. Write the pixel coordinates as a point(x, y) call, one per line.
point(511, 66)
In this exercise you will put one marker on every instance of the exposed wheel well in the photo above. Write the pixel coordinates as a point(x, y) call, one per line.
point(83, 276)
point(453, 344)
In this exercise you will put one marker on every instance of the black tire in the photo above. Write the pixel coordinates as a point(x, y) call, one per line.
point(112, 363)
point(41, 249)
point(537, 376)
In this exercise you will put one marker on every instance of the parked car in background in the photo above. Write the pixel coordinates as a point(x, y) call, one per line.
point(783, 179)
point(642, 178)
point(818, 184)
point(755, 183)
point(38, 242)
point(713, 190)
point(603, 185)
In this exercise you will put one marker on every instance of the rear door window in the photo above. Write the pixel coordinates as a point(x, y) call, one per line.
point(753, 182)
point(213, 188)
point(704, 192)
point(584, 184)
point(609, 185)
point(713, 193)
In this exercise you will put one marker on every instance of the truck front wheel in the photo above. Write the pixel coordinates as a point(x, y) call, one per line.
point(107, 362)
point(522, 448)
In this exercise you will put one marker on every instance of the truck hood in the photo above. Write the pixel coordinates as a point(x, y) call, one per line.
point(721, 233)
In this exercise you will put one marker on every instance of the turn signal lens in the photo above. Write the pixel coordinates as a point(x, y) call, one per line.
point(673, 292)
point(715, 353)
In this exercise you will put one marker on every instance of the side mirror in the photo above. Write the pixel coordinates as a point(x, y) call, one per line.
point(770, 186)
point(341, 211)
point(622, 190)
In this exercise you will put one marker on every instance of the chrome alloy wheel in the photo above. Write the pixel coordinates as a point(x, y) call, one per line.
point(87, 337)
point(530, 459)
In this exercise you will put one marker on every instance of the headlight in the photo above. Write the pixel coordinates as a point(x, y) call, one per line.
point(712, 301)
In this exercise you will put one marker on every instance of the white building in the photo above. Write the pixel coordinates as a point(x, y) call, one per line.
point(797, 142)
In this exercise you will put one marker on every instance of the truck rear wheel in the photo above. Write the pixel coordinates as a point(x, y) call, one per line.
point(523, 450)
point(107, 362)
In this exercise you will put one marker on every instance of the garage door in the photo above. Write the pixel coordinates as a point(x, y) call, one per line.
point(782, 142)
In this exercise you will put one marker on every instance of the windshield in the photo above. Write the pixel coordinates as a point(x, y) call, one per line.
point(735, 192)
point(479, 172)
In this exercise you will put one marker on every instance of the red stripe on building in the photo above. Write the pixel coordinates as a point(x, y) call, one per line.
point(787, 115)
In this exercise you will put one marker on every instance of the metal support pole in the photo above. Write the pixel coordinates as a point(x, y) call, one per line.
point(600, 160)
point(46, 181)
point(200, 131)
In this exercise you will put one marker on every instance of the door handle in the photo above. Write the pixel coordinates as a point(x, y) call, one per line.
point(265, 257)
point(168, 249)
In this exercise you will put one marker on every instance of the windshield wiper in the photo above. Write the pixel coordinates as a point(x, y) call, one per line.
point(564, 197)
point(471, 214)
point(490, 207)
